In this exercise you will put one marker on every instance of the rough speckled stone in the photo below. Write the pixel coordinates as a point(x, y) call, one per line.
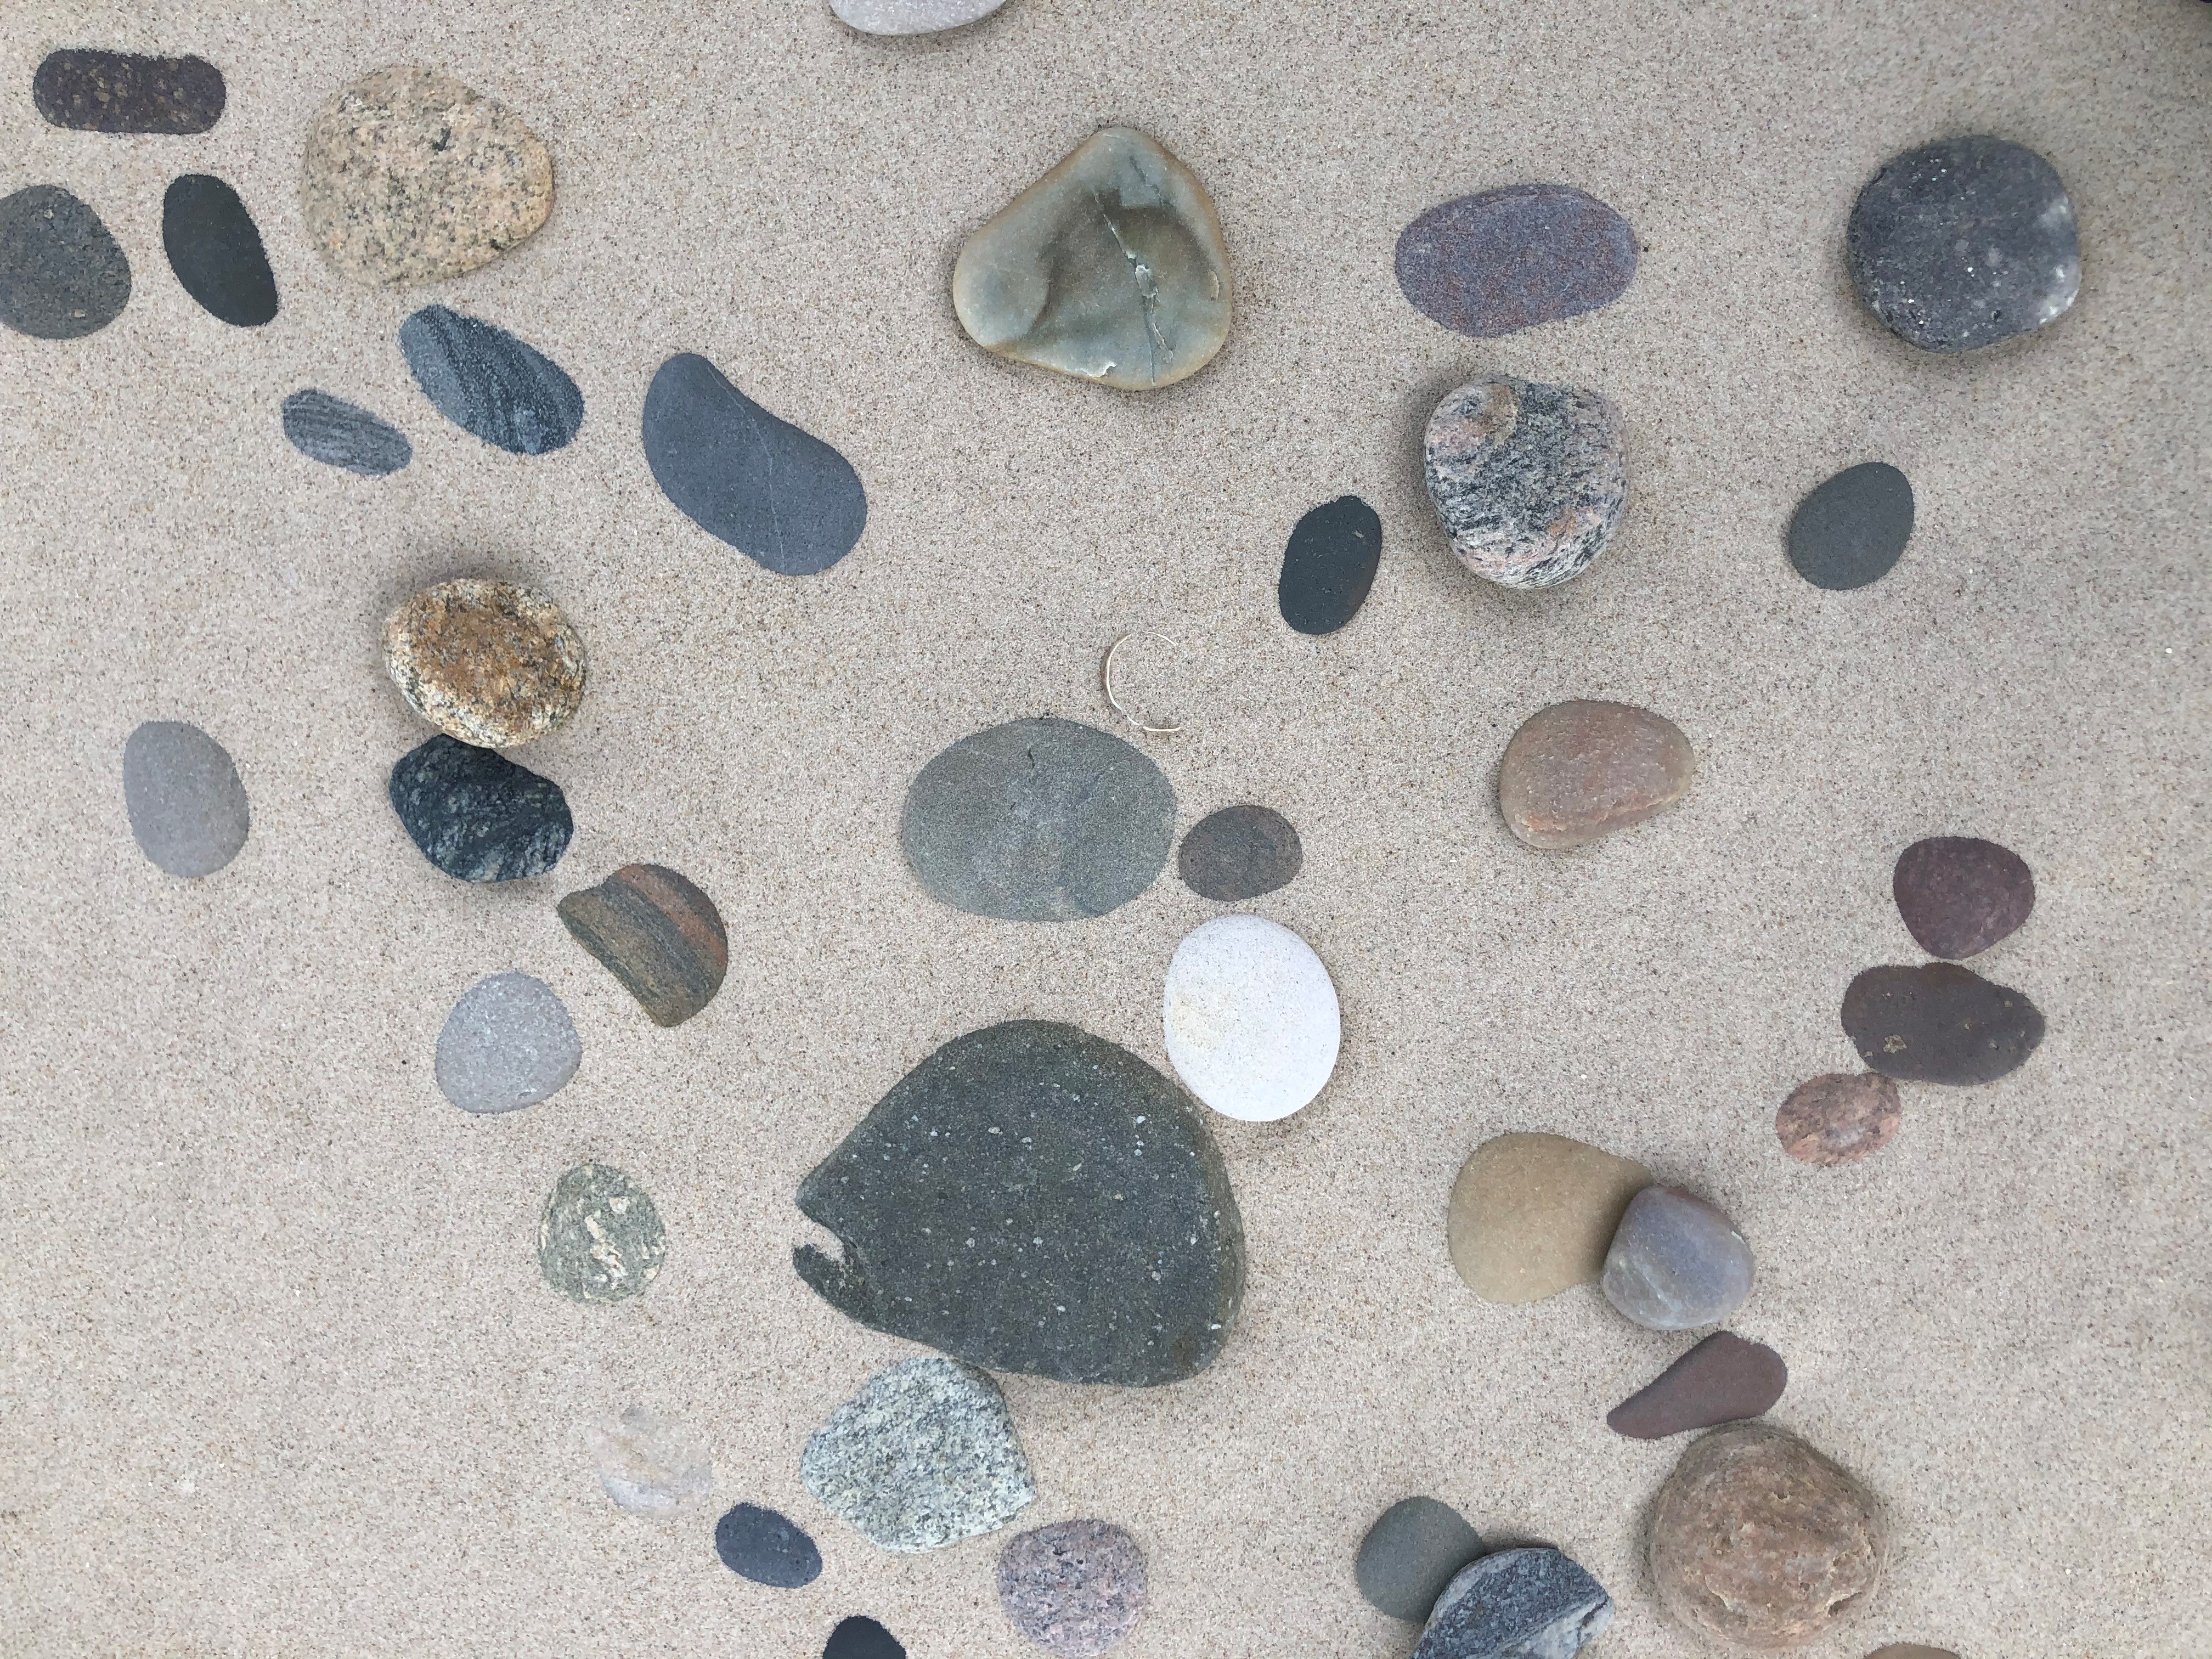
point(767, 1547)
point(1530, 480)
point(215, 249)
point(658, 934)
point(1532, 1214)
point(1852, 530)
point(600, 1237)
point(1964, 242)
point(488, 662)
point(1329, 565)
point(1939, 1022)
point(95, 91)
point(861, 1637)
point(1516, 1604)
point(1035, 1198)
point(1249, 1018)
point(1839, 1117)
point(1911, 1651)
point(911, 16)
point(487, 382)
point(650, 1465)
point(1758, 1540)
point(1724, 1379)
point(1415, 1549)
point(181, 790)
point(1074, 1587)
point(1576, 772)
point(342, 434)
point(1504, 259)
point(475, 814)
point(923, 1457)
point(1959, 895)
point(1239, 854)
point(62, 274)
point(507, 1044)
point(409, 176)
point(1677, 1262)
point(1110, 268)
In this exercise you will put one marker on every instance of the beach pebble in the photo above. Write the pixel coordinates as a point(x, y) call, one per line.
point(923, 1457)
point(1758, 1540)
point(1074, 1587)
point(1533, 1214)
point(487, 382)
point(1529, 480)
point(1037, 1199)
point(1110, 268)
point(766, 1548)
point(1506, 259)
point(1250, 1018)
point(781, 496)
point(1939, 1022)
point(1724, 1379)
point(600, 1237)
point(339, 434)
point(1852, 530)
point(861, 1637)
point(507, 1044)
point(475, 814)
point(1839, 1117)
point(182, 793)
point(910, 16)
point(649, 1465)
point(62, 275)
point(1415, 1549)
point(1329, 565)
point(1958, 894)
point(488, 662)
point(1516, 1604)
point(1576, 772)
point(1963, 243)
point(657, 933)
point(1677, 1262)
point(1038, 820)
point(95, 91)
point(1911, 1651)
point(1239, 854)
point(215, 249)
point(409, 176)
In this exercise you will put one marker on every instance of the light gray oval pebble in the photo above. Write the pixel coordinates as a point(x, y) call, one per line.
point(182, 792)
point(509, 1043)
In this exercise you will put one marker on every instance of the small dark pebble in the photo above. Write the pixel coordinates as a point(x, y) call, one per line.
point(1724, 1379)
point(485, 380)
point(1852, 530)
point(476, 814)
point(216, 249)
point(1939, 1022)
point(1414, 1549)
point(62, 274)
point(95, 91)
point(764, 1546)
point(1329, 565)
point(339, 434)
point(1239, 853)
point(860, 1637)
point(1959, 895)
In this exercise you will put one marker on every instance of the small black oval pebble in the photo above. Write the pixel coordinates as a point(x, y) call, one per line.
point(215, 248)
point(95, 91)
point(339, 434)
point(1239, 853)
point(476, 814)
point(1852, 530)
point(764, 1546)
point(1329, 565)
point(861, 1638)
point(1939, 1022)
point(62, 275)
point(485, 380)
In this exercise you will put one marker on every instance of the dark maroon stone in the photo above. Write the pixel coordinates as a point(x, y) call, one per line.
point(1939, 1022)
point(95, 91)
point(1959, 895)
point(1510, 259)
point(1724, 1379)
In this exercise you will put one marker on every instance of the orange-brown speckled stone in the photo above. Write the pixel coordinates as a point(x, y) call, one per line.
point(487, 662)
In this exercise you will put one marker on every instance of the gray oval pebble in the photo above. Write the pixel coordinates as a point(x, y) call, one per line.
point(1853, 529)
point(507, 1044)
point(62, 274)
point(1239, 853)
point(182, 792)
point(485, 380)
point(1415, 1547)
point(1507, 260)
point(1676, 1262)
point(339, 434)
point(600, 1238)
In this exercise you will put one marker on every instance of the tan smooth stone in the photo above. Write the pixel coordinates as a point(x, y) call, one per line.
point(489, 663)
point(1532, 1214)
point(1578, 771)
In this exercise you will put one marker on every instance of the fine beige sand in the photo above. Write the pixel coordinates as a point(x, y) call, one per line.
point(278, 1375)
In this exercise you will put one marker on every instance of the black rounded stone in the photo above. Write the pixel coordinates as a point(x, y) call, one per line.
point(1239, 853)
point(476, 814)
point(215, 248)
point(764, 1546)
point(62, 274)
point(1411, 1552)
point(861, 1637)
point(1852, 530)
point(1330, 565)
point(1939, 1022)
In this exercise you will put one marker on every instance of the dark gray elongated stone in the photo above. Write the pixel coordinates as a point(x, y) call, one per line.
point(1239, 853)
point(1939, 1022)
point(1415, 1549)
point(1329, 565)
point(186, 805)
point(485, 380)
point(215, 248)
point(95, 91)
point(1516, 1604)
point(62, 274)
point(1505, 259)
point(1959, 895)
point(339, 434)
point(1724, 1379)
point(779, 495)
point(1031, 1197)
point(476, 814)
point(1852, 530)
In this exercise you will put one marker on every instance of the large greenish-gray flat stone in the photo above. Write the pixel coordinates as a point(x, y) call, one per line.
point(600, 1238)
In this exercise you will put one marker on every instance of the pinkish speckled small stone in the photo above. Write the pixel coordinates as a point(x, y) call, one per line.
point(1074, 1587)
point(1839, 1117)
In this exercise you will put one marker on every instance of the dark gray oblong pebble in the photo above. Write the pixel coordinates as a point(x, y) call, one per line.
point(1939, 1022)
point(485, 380)
point(761, 1544)
point(95, 91)
point(62, 274)
point(779, 495)
point(1239, 854)
point(1676, 1262)
point(215, 247)
point(1415, 1549)
point(1724, 1379)
point(600, 1237)
point(1516, 1604)
point(861, 1637)
point(1329, 565)
point(1852, 530)
point(186, 805)
point(1959, 895)
point(1504, 259)
point(339, 434)
point(476, 814)
point(507, 1044)
point(1964, 242)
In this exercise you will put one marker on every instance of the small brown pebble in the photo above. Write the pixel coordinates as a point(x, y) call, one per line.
point(657, 933)
point(1839, 1117)
point(1960, 896)
point(487, 662)
point(1578, 771)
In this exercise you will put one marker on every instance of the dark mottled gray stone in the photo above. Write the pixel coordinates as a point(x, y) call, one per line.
point(476, 814)
point(1506, 259)
point(186, 805)
point(1959, 895)
point(1414, 1549)
point(1676, 1262)
point(62, 275)
point(1035, 1198)
point(485, 380)
point(1939, 1022)
point(215, 248)
point(1530, 480)
point(861, 1637)
point(766, 1548)
point(1724, 1379)
point(600, 1237)
point(1516, 1604)
point(339, 434)
point(1852, 530)
point(1038, 820)
point(1329, 565)
point(1239, 853)
point(507, 1044)
point(779, 495)
point(1964, 243)
point(95, 91)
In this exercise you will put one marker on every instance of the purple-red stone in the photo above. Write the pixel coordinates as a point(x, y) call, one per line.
point(1724, 1379)
point(1506, 259)
point(1960, 896)
point(1074, 1587)
point(1839, 1117)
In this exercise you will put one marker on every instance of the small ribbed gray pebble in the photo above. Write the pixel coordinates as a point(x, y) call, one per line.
point(1414, 1549)
point(1516, 1604)
point(600, 1238)
point(507, 1044)
point(486, 381)
point(181, 790)
point(339, 434)
point(1676, 1262)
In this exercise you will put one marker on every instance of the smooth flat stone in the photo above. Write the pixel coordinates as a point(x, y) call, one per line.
point(1577, 771)
point(1074, 1587)
point(1724, 1379)
point(1964, 243)
point(1852, 530)
point(1516, 1604)
point(650, 1465)
point(1676, 1262)
point(1239, 854)
point(1758, 1540)
point(1959, 895)
point(781, 496)
point(1839, 1117)
point(600, 1237)
point(766, 1548)
point(1413, 1551)
point(507, 1044)
point(1911, 1651)
point(1939, 1023)
point(1529, 480)
point(1250, 1018)
point(1110, 268)
point(95, 91)
point(923, 1457)
point(1329, 565)
point(476, 814)
point(485, 381)
point(186, 805)
point(1506, 259)
point(215, 248)
point(62, 275)
point(1038, 820)
point(339, 434)
point(1534, 1214)
point(910, 16)
point(1036, 1200)
point(657, 933)
point(409, 176)
point(490, 663)
point(861, 1637)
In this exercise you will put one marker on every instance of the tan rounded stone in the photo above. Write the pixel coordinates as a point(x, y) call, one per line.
point(1532, 1214)
point(1839, 1117)
point(487, 662)
point(1759, 1541)
point(1578, 771)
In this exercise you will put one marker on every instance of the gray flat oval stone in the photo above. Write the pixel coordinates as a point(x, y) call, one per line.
point(339, 434)
point(1415, 1549)
point(1677, 1262)
point(1239, 853)
point(1852, 530)
point(507, 1044)
point(600, 1237)
point(485, 381)
point(62, 274)
point(186, 805)
point(1505, 259)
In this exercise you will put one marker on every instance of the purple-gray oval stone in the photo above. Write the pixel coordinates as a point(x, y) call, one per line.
point(1506, 259)
point(1676, 1262)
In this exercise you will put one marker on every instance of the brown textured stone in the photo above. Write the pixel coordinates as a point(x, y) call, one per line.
point(1724, 1379)
point(657, 933)
point(1759, 1541)
point(1960, 896)
point(1578, 771)
point(489, 663)
point(1839, 1117)
point(1532, 1214)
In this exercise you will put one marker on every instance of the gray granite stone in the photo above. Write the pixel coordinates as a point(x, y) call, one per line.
point(1676, 1262)
point(1239, 853)
point(486, 381)
point(1852, 530)
point(1516, 1604)
point(507, 1044)
point(1530, 480)
point(1415, 1549)
point(62, 274)
point(1074, 1587)
point(339, 434)
point(475, 814)
point(186, 805)
point(600, 1238)
point(1505, 259)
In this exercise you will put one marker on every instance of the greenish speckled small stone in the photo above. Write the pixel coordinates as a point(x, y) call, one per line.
point(600, 1239)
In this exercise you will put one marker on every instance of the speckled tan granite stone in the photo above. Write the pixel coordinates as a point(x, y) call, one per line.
point(487, 662)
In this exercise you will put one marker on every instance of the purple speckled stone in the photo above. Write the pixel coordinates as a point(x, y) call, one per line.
point(1074, 1587)
point(1506, 259)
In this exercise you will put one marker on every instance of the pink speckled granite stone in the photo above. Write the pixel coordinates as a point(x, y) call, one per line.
point(1074, 1587)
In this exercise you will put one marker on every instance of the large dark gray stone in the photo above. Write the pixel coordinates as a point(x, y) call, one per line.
point(1939, 1022)
point(1516, 1604)
point(1414, 1549)
point(62, 274)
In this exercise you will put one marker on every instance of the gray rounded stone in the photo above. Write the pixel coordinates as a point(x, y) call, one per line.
point(1516, 1604)
point(62, 274)
point(1852, 530)
point(1530, 480)
point(1415, 1549)
point(600, 1238)
point(507, 1044)
point(1074, 1587)
point(1240, 852)
point(186, 805)
point(1677, 1262)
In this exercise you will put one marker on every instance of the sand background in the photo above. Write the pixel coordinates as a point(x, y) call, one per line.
point(280, 1375)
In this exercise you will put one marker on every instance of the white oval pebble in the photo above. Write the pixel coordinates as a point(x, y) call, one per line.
point(650, 1465)
point(1250, 1018)
point(509, 1043)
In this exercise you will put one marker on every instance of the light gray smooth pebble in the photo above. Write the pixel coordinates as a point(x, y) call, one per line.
point(509, 1043)
point(186, 805)
point(1677, 1262)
